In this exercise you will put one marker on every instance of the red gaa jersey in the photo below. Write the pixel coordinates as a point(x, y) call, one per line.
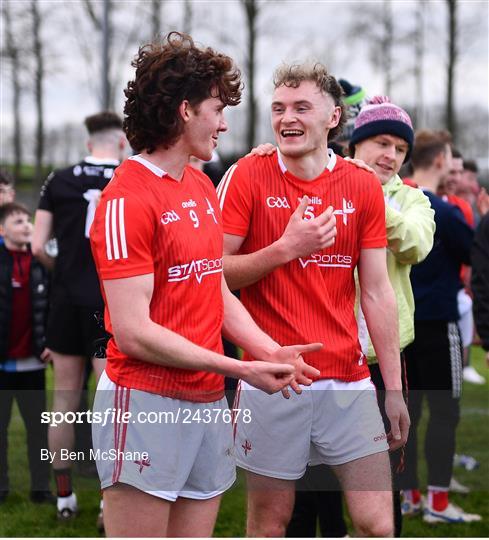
point(149, 223)
point(310, 299)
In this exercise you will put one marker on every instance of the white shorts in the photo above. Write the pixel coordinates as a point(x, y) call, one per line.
point(466, 321)
point(331, 422)
point(168, 448)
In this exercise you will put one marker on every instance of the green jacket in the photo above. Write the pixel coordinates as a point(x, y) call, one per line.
point(410, 226)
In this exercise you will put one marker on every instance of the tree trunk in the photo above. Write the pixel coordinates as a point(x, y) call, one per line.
point(107, 96)
point(38, 90)
point(419, 116)
point(12, 52)
point(155, 19)
point(450, 119)
point(103, 27)
point(187, 17)
point(251, 9)
point(388, 43)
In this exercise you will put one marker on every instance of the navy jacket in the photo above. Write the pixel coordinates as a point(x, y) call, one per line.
point(436, 280)
point(480, 280)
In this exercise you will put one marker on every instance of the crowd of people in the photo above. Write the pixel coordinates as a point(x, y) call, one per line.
point(360, 250)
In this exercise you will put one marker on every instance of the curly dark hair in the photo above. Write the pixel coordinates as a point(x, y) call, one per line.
point(293, 75)
point(168, 73)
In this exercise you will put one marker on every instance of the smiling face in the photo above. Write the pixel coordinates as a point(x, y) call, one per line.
point(7, 194)
point(454, 176)
point(384, 153)
point(16, 230)
point(302, 118)
point(205, 122)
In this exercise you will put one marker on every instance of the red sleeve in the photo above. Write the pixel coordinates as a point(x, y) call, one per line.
point(122, 237)
point(373, 232)
point(468, 213)
point(234, 193)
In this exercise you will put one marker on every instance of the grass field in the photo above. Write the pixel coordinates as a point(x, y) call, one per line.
point(19, 517)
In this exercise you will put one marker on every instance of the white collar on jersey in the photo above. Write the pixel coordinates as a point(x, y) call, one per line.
point(330, 166)
point(101, 161)
point(153, 168)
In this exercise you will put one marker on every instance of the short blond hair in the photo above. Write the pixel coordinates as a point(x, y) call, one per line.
point(293, 75)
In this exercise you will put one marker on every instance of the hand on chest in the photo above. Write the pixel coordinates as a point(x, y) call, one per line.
point(278, 210)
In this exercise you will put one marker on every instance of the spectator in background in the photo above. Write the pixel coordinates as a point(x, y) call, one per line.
point(75, 330)
point(7, 191)
point(451, 184)
point(383, 139)
point(449, 189)
point(354, 98)
point(470, 187)
point(434, 359)
point(23, 313)
point(480, 274)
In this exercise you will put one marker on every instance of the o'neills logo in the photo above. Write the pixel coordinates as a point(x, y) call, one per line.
point(381, 437)
point(198, 268)
point(334, 260)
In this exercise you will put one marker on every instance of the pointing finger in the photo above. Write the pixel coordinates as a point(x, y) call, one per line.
point(309, 347)
point(295, 387)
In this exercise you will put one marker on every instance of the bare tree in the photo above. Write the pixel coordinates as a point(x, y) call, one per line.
point(380, 37)
point(251, 11)
point(155, 18)
point(450, 119)
point(387, 45)
point(418, 41)
point(114, 42)
point(187, 16)
point(91, 15)
point(39, 73)
point(102, 27)
point(107, 92)
point(12, 51)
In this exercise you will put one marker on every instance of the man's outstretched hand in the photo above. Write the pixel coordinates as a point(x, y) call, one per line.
point(268, 376)
point(303, 372)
